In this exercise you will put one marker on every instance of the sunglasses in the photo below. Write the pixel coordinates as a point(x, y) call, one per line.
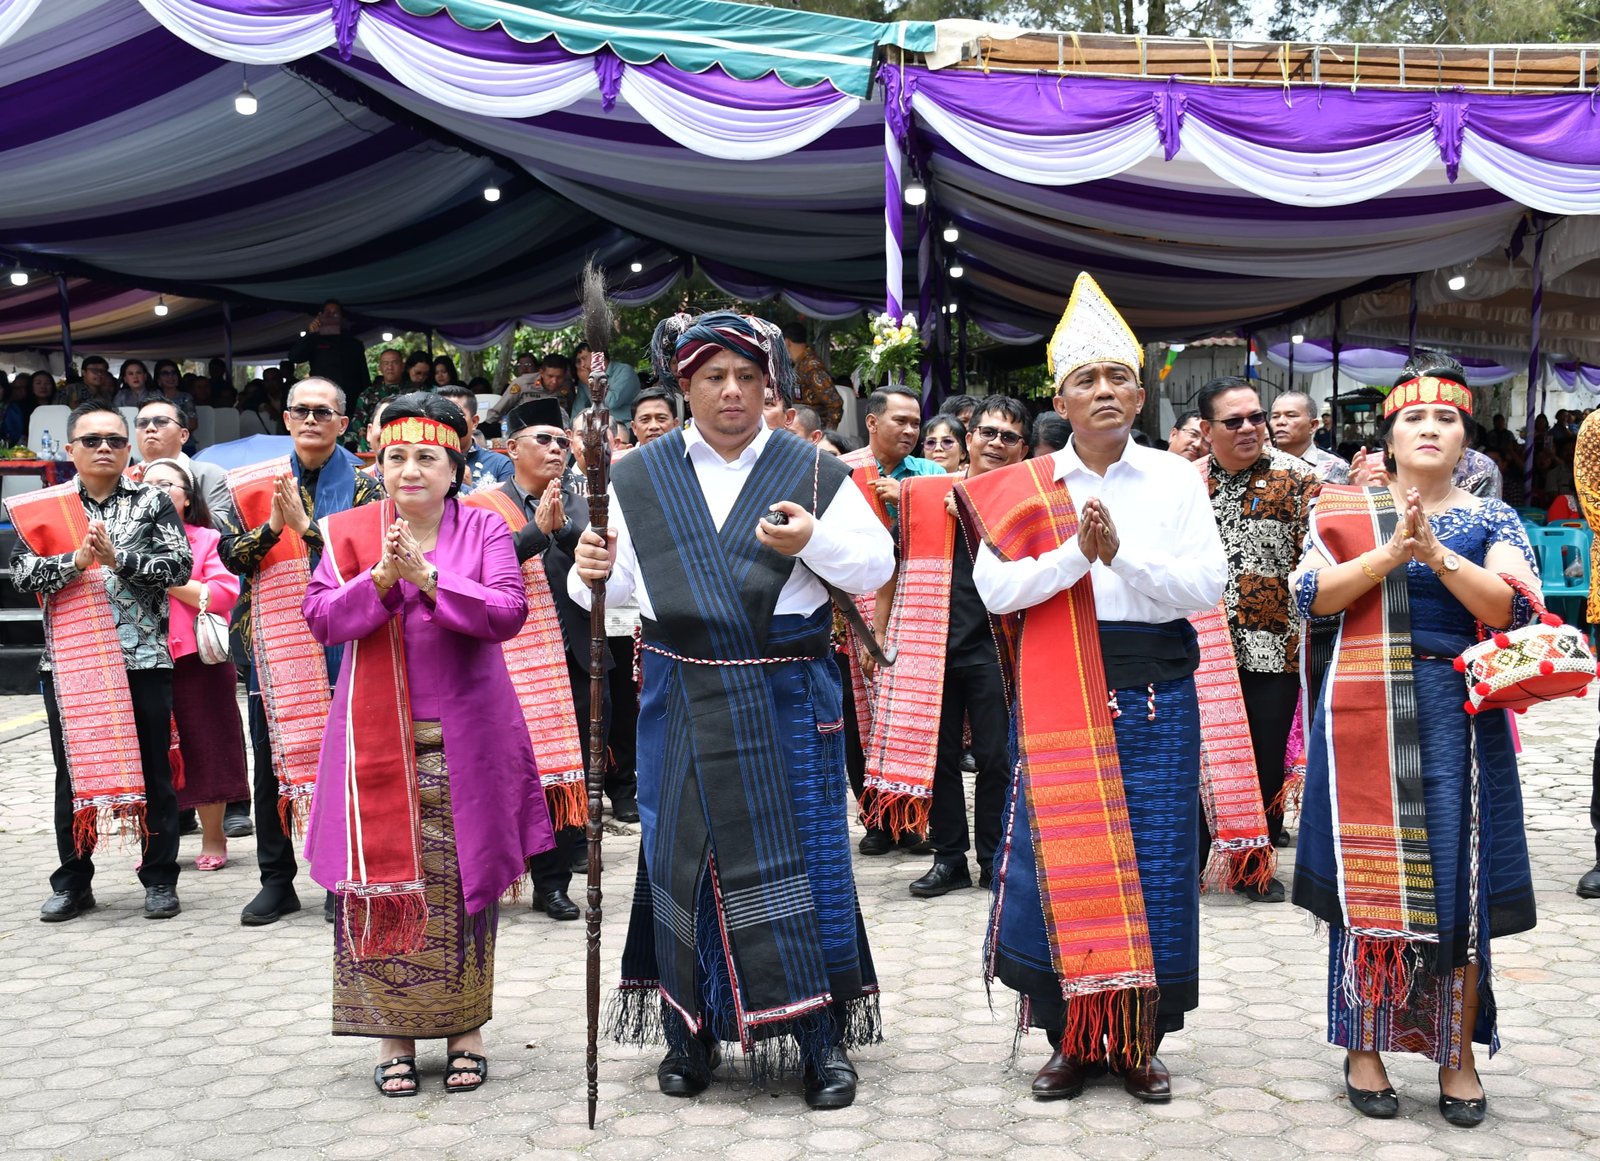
point(319, 414)
point(92, 442)
point(156, 421)
point(1007, 438)
point(1254, 419)
point(545, 439)
point(939, 441)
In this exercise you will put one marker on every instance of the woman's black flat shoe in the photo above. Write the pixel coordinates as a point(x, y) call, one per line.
point(1463, 1114)
point(407, 1071)
point(1380, 1105)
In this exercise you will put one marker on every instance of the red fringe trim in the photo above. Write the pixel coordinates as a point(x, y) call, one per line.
point(568, 803)
point(1287, 801)
point(1117, 1026)
point(90, 822)
point(379, 926)
point(899, 814)
point(294, 812)
point(1380, 970)
point(1255, 868)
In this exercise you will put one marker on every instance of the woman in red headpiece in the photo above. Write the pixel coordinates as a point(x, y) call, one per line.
point(1411, 846)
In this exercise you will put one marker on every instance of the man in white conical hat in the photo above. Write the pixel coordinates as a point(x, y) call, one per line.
point(1104, 548)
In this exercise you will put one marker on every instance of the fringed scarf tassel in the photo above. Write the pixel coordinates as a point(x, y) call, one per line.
point(1384, 970)
point(635, 1014)
point(898, 813)
point(1117, 1025)
point(99, 818)
point(294, 807)
point(568, 803)
point(385, 924)
point(1253, 867)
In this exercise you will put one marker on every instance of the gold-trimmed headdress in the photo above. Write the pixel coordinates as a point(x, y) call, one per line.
point(414, 429)
point(1428, 389)
point(1091, 331)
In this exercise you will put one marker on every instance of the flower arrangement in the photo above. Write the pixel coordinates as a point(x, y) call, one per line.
point(894, 354)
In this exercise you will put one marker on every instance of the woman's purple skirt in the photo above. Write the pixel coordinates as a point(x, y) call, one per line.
point(210, 733)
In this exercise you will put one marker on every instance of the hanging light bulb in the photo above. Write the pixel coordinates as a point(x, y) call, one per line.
point(19, 277)
point(388, 336)
point(951, 233)
point(636, 267)
point(1297, 339)
point(1457, 282)
point(245, 103)
point(161, 307)
point(491, 192)
point(916, 193)
point(957, 270)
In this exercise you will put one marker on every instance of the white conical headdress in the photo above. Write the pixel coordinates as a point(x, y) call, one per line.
point(1091, 331)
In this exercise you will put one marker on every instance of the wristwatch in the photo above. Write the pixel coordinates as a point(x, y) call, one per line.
point(1450, 563)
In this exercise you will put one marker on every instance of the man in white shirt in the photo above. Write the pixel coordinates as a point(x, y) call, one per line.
point(162, 431)
point(1294, 428)
point(745, 924)
point(1104, 597)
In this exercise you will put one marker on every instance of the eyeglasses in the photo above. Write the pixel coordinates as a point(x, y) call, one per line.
point(319, 414)
point(156, 421)
point(939, 441)
point(167, 485)
point(92, 442)
point(545, 439)
point(1254, 419)
point(1008, 438)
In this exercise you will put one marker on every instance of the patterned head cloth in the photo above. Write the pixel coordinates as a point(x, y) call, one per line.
point(745, 335)
point(664, 350)
point(1091, 331)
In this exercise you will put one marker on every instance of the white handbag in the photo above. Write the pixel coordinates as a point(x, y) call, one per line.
point(210, 633)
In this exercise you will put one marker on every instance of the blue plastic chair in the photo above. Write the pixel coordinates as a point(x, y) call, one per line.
point(1556, 549)
point(1533, 515)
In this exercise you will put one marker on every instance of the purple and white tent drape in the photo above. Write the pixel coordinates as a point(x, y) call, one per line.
point(1370, 366)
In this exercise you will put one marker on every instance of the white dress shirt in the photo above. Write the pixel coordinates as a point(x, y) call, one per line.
point(848, 547)
point(1169, 562)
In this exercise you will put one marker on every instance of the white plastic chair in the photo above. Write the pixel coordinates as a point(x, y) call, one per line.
point(224, 424)
point(250, 424)
point(205, 428)
point(52, 418)
point(16, 485)
point(486, 401)
point(851, 421)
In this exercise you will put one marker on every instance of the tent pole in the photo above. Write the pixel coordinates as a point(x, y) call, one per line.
point(1411, 328)
point(66, 319)
point(1537, 309)
point(227, 339)
point(961, 348)
point(893, 224)
point(1333, 403)
point(925, 294)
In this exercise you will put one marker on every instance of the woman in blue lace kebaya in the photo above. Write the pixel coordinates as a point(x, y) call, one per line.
point(1413, 852)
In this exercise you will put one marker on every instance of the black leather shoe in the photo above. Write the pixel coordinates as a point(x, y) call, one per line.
point(1284, 841)
point(1380, 1104)
point(329, 907)
point(686, 1072)
point(188, 822)
point(625, 809)
point(161, 901)
point(1589, 885)
point(916, 844)
point(1150, 1082)
point(941, 879)
point(985, 877)
point(875, 842)
point(270, 905)
point(1273, 893)
point(1463, 1114)
point(580, 860)
point(1061, 1078)
point(831, 1084)
point(555, 904)
point(237, 825)
point(65, 905)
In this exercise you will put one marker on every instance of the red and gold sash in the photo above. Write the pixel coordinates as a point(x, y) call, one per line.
point(1384, 871)
point(863, 470)
point(904, 739)
point(91, 680)
point(537, 660)
point(1068, 769)
point(386, 901)
point(291, 667)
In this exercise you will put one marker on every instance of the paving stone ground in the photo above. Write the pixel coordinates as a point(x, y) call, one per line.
point(200, 1039)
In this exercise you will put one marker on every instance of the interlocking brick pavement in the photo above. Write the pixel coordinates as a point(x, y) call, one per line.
point(199, 1039)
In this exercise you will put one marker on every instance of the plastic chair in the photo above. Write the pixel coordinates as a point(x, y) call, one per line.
point(1557, 548)
point(224, 424)
point(250, 424)
point(205, 428)
point(1535, 515)
point(52, 417)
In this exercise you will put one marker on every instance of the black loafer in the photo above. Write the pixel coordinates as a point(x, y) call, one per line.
point(686, 1071)
point(941, 879)
point(1273, 893)
point(65, 905)
point(238, 826)
point(270, 905)
point(188, 822)
point(1380, 1104)
point(625, 810)
point(161, 901)
point(875, 842)
point(832, 1083)
point(1463, 1114)
point(555, 904)
point(1589, 885)
point(986, 877)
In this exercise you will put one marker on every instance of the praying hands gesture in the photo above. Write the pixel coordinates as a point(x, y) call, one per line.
point(96, 548)
point(288, 509)
point(402, 547)
point(1097, 536)
point(1420, 542)
point(549, 515)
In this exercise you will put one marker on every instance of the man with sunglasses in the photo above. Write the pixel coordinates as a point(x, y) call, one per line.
point(1262, 498)
point(323, 478)
point(104, 570)
point(945, 629)
point(161, 432)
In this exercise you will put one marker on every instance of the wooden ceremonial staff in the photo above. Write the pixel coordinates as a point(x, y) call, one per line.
point(594, 429)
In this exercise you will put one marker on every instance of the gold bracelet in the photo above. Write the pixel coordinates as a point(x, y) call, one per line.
point(1366, 568)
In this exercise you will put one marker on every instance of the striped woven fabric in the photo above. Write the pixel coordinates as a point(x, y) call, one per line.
point(90, 678)
point(1384, 870)
point(1229, 788)
point(290, 665)
point(863, 470)
point(904, 739)
point(536, 658)
point(1068, 769)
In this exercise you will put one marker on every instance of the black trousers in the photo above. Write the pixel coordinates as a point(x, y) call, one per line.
point(972, 693)
point(151, 693)
point(855, 759)
point(1269, 701)
point(622, 774)
point(274, 848)
point(551, 870)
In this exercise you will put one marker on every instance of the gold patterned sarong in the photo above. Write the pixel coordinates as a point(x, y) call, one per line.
point(447, 988)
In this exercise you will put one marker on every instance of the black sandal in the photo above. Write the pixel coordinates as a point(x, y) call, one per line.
point(479, 1068)
point(381, 1076)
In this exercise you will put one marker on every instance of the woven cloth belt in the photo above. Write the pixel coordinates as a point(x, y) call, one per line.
point(645, 645)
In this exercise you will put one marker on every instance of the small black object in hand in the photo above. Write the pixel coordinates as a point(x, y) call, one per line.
point(775, 517)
